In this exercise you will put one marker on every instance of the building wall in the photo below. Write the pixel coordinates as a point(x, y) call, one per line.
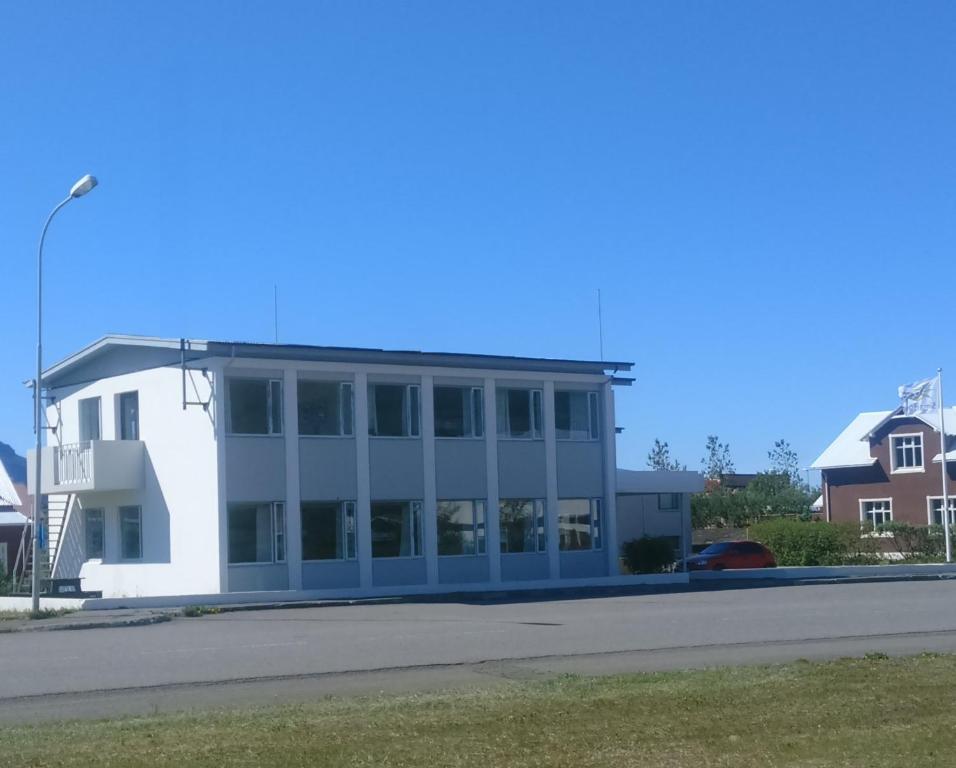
point(845, 488)
point(640, 515)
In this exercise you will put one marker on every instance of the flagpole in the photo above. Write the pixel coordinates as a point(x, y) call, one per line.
point(942, 447)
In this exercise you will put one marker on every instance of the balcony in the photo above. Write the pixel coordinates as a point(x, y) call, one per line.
point(95, 466)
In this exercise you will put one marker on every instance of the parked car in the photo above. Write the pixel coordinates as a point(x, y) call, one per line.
point(732, 554)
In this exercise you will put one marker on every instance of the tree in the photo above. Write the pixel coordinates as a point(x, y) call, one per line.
point(783, 461)
point(717, 462)
point(659, 459)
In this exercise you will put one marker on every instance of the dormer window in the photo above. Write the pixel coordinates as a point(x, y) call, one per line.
point(907, 453)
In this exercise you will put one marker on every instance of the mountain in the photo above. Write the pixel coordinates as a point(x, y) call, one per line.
point(15, 464)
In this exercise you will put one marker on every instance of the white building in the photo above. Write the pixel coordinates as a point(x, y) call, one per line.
point(209, 467)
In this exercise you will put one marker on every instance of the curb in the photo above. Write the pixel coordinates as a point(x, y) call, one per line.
point(39, 625)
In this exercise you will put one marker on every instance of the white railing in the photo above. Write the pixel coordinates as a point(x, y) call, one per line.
point(74, 464)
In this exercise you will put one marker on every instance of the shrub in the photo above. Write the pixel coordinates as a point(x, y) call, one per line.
point(916, 542)
point(798, 542)
point(649, 554)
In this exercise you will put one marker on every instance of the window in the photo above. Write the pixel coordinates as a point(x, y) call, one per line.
point(328, 530)
point(876, 511)
point(93, 529)
point(907, 453)
point(579, 524)
point(89, 419)
point(668, 502)
point(255, 407)
point(576, 415)
point(131, 533)
point(936, 511)
point(522, 525)
point(519, 413)
point(396, 529)
point(393, 410)
point(325, 407)
point(461, 527)
point(459, 412)
point(129, 416)
point(257, 533)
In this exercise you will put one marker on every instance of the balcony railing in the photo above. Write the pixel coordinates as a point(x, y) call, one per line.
point(93, 466)
point(74, 464)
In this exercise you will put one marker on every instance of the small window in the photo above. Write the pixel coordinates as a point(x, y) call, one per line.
point(89, 419)
point(256, 533)
point(668, 502)
point(393, 410)
point(131, 533)
point(129, 416)
point(396, 529)
point(328, 530)
point(936, 512)
point(325, 407)
point(255, 407)
point(876, 512)
point(93, 529)
point(519, 413)
point(461, 527)
point(579, 524)
point(907, 453)
point(522, 525)
point(576, 415)
point(459, 412)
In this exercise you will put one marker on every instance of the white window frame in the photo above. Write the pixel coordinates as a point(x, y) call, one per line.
point(272, 385)
point(596, 514)
point(863, 517)
point(594, 417)
point(413, 411)
point(479, 526)
point(119, 516)
point(346, 396)
point(349, 541)
point(952, 511)
point(894, 469)
point(535, 417)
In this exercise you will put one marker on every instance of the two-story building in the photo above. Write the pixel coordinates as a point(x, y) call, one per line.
point(886, 466)
point(202, 467)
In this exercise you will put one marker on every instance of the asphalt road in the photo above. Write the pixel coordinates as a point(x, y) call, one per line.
point(258, 657)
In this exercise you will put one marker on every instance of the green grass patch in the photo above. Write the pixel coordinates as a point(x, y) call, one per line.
point(871, 712)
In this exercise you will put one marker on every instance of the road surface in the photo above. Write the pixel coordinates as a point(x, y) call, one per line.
point(286, 655)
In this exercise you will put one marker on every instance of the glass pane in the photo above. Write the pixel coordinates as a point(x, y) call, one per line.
point(593, 414)
point(478, 412)
point(519, 413)
point(94, 534)
point(456, 528)
point(250, 533)
point(346, 406)
point(130, 533)
point(450, 411)
point(574, 524)
point(322, 537)
point(279, 510)
point(275, 404)
point(394, 530)
point(572, 419)
point(264, 533)
point(501, 405)
point(319, 408)
point(248, 406)
point(129, 416)
point(480, 527)
point(387, 410)
point(596, 522)
point(414, 403)
point(516, 521)
point(89, 419)
point(536, 415)
point(542, 526)
point(350, 530)
point(562, 415)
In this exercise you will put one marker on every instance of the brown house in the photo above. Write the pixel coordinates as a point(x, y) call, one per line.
point(886, 466)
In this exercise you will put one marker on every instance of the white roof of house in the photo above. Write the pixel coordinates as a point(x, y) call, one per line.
point(818, 504)
point(12, 518)
point(650, 481)
point(8, 494)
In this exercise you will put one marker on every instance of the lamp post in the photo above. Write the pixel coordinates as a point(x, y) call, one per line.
point(79, 189)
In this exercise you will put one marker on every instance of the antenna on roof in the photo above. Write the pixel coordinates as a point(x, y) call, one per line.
point(275, 311)
point(600, 326)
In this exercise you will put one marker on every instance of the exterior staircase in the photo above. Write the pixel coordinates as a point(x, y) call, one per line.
point(56, 515)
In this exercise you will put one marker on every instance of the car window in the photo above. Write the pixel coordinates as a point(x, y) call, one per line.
point(718, 549)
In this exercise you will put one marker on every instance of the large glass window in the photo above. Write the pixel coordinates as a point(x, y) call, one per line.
point(328, 530)
point(257, 533)
point(876, 511)
point(936, 511)
point(461, 527)
point(93, 529)
point(522, 525)
point(129, 416)
point(579, 524)
point(393, 410)
point(576, 415)
point(396, 529)
point(325, 407)
point(668, 502)
point(89, 419)
point(459, 412)
point(255, 407)
point(131, 533)
point(519, 413)
point(907, 452)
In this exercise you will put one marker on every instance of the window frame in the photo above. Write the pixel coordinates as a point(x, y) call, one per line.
point(539, 526)
point(122, 538)
point(535, 413)
point(479, 527)
point(412, 407)
point(952, 511)
point(894, 467)
point(343, 400)
point(476, 408)
point(87, 514)
point(594, 416)
point(277, 510)
point(272, 384)
point(596, 523)
point(863, 516)
point(349, 543)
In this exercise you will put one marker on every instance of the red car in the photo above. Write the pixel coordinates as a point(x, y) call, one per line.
point(732, 554)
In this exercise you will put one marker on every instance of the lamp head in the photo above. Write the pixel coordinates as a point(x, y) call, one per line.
point(83, 186)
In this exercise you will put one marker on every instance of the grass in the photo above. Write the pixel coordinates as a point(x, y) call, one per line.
point(873, 712)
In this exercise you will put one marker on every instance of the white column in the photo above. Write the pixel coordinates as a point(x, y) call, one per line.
point(293, 507)
point(551, 481)
point(492, 526)
point(610, 483)
point(363, 501)
point(430, 501)
point(219, 415)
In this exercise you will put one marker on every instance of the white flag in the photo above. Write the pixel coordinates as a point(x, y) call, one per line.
point(920, 397)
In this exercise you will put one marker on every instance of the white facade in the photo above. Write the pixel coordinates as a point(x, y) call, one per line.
point(206, 490)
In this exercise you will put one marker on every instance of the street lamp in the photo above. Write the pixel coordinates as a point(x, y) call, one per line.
point(79, 189)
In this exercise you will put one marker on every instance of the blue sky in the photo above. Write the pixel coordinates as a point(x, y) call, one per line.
point(763, 192)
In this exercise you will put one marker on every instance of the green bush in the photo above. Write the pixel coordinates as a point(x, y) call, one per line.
point(649, 554)
point(916, 542)
point(799, 542)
